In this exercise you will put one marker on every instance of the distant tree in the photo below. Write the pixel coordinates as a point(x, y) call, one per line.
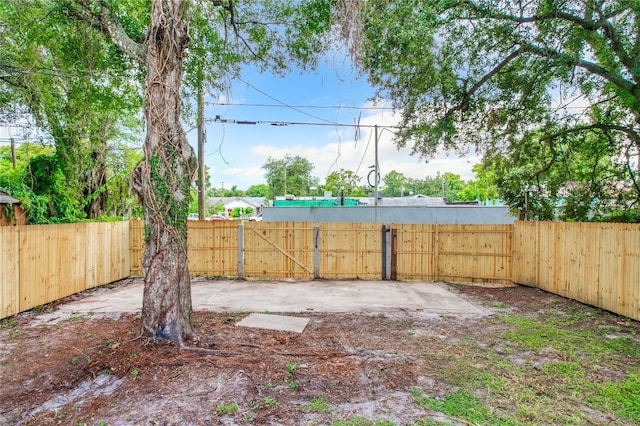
point(290, 175)
point(395, 184)
point(429, 186)
point(259, 190)
point(580, 178)
point(344, 179)
point(482, 188)
point(453, 184)
point(239, 212)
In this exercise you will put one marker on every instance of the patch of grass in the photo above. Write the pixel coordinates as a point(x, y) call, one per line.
point(555, 332)
point(621, 398)
point(427, 422)
point(626, 346)
point(537, 336)
point(291, 368)
point(558, 368)
point(361, 421)
point(460, 405)
point(317, 405)
point(223, 409)
point(566, 371)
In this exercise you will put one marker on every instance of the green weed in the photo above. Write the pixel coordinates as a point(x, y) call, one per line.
point(230, 408)
point(9, 323)
point(75, 317)
point(264, 402)
point(269, 402)
point(317, 405)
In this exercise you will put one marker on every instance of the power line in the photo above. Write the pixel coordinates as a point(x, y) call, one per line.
point(281, 102)
point(219, 119)
point(304, 106)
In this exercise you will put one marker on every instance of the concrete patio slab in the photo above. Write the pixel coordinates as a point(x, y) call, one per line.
point(274, 322)
point(290, 296)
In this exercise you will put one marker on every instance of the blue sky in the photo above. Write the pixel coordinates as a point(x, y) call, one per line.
point(236, 152)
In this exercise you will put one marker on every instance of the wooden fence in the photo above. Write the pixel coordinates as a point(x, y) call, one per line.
point(594, 263)
point(303, 250)
point(598, 264)
point(44, 263)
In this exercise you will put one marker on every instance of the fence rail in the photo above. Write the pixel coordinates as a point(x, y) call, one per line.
point(598, 264)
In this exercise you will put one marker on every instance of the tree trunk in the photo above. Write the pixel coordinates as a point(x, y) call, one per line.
point(164, 179)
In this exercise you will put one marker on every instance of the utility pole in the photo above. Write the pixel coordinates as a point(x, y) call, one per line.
point(13, 152)
point(377, 174)
point(201, 140)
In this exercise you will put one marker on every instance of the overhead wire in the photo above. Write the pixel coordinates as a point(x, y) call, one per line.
point(283, 103)
point(363, 108)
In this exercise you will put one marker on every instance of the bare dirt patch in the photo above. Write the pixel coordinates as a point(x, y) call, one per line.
point(348, 369)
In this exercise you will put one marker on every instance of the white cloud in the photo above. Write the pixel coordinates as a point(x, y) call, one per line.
point(247, 148)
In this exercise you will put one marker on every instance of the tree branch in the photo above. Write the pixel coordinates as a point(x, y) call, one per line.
point(545, 52)
point(631, 133)
point(603, 24)
point(463, 105)
point(99, 16)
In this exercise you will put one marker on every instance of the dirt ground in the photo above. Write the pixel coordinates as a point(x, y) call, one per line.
point(344, 369)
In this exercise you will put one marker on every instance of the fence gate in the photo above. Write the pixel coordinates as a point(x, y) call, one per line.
point(350, 251)
point(277, 250)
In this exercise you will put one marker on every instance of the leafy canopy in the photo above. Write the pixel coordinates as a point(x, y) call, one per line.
point(498, 75)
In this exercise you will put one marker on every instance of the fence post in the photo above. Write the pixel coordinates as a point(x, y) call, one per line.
point(316, 252)
point(386, 252)
point(241, 251)
point(436, 266)
point(394, 255)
